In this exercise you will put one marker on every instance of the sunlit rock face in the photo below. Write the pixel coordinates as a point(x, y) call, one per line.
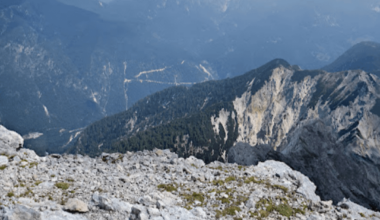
point(322, 124)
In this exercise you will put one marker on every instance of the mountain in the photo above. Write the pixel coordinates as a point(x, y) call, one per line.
point(60, 73)
point(271, 105)
point(364, 55)
point(140, 185)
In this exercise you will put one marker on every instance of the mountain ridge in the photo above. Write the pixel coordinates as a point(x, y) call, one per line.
point(364, 55)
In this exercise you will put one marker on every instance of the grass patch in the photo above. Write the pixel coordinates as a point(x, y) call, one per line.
point(283, 188)
point(218, 182)
point(168, 187)
point(27, 193)
point(3, 167)
point(62, 186)
point(10, 194)
point(231, 210)
point(230, 179)
point(33, 164)
point(266, 206)
point(252, 179)
point(241, 199)
point(37, 183)
point(284, 210)
point(224, 200)
point(191, 198)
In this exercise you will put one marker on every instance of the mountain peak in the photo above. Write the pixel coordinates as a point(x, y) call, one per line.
point(277, 63)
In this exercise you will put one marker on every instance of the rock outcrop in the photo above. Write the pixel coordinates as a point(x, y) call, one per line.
point(158, 185)
point(316, 152)
point(10, 141)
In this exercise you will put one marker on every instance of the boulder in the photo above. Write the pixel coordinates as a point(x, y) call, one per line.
point(76, 205)
point(20, 212)
point(10, 139)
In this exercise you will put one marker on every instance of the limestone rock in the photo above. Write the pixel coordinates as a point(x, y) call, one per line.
point(20, 212)
point(76, 205)
point(3, 160)
point(93, 188)
point(10, 138)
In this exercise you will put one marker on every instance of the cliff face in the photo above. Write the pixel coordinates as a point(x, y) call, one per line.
point(157, 185)
point(344, 101)
point(325, 126)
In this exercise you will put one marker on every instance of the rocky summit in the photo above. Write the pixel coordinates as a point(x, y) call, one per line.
point(155, 185)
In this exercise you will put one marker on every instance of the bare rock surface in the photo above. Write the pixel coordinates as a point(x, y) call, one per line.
point(159, 185)
point(10, 141)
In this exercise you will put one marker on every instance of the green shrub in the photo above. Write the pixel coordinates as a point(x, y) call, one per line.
point(218, 182)
point(231, 210)
point(63, 186)
point(230, 178)
point(284, 210)
point(252, 179)
point(195, 196)
point(167, 187)
point(283, 188)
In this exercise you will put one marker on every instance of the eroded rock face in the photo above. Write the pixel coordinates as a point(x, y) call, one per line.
point(159, 185)
point(322, 124)
point(315, 151)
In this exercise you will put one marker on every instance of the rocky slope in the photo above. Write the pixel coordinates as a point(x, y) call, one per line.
point(155, 185)
point(272, 105)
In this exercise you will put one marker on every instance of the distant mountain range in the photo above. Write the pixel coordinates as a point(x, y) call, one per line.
point(59, 73)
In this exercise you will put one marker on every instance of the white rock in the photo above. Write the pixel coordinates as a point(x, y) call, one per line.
point(76, 205)
point(10, 139)
point(20, 213)
point(3, 160)
point(198, 211)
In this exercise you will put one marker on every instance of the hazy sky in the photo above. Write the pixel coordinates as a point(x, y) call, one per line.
point(306, 32)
